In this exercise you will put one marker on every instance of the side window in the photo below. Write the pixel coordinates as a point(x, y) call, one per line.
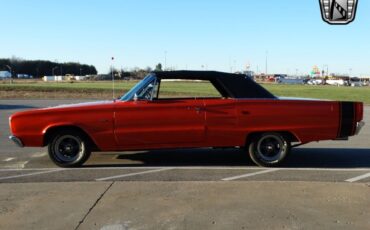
point(148, 92)
point(187, 89)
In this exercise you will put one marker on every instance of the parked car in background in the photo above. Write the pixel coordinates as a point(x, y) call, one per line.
point(355, 82)
point(337, 82)
point(234, 112)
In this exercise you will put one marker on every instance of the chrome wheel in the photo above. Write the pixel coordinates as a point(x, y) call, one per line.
point(268, 149)
point(68, 148)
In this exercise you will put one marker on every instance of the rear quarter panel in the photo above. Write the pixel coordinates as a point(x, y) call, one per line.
point(307, 120)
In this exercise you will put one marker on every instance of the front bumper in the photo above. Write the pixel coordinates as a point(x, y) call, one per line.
point(16, 140)
point(359, 126)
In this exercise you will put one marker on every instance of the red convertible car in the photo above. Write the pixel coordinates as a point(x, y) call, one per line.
point(237, 113)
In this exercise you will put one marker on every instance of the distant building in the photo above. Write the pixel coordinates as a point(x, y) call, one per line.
point(5, 74)
point(54, 78)
point(25, 76)
point(80, 78)
point(49, 78)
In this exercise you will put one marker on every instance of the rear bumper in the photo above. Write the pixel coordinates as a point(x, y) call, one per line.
point(359, 126)
point(17, 141)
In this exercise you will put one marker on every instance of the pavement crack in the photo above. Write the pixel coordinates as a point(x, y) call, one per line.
point(93, 206)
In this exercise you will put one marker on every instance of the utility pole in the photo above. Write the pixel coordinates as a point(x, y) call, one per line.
point(165, 60)
point(266, 63)
point(56, 67)
point(112, 70)
point(11, 73)
point(52, 70)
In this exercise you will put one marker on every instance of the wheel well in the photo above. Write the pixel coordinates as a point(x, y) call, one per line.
point(290, 136)
point(51, 132)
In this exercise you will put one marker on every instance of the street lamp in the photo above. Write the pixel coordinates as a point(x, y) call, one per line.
point(165, 60)
point(52, 70)
point(327, 69)
point(56, 67)
point(11, 73)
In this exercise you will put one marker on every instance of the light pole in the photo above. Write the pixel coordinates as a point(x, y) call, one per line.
point(165, 60)
point(11, 73)
point(52, 70)
point(267, 52)
point(56, 67)
point(327, 69)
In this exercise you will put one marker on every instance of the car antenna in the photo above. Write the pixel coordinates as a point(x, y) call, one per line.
point(112, 71)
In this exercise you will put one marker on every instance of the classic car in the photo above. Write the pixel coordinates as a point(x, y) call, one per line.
point(238, 113)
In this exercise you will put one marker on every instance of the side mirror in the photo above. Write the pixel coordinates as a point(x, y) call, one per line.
point(136, 98)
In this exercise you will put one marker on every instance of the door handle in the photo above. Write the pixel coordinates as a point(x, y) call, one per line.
point(198, 109)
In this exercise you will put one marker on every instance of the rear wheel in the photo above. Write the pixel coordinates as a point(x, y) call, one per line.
point(69, 149)
point(269, 149)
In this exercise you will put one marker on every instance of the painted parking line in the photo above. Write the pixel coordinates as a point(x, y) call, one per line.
point(133, 174)
point(9, 159)
point(30, 174)
point(190, 168)
point(250, 174)
point(358, 178)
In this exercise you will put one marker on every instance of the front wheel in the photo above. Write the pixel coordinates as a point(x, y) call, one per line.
point(268, 149)
point(69, 149)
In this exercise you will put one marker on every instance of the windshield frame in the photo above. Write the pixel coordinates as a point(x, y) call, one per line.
point(129, 96)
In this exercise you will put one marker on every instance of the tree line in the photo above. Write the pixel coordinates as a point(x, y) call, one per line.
point(40, 68)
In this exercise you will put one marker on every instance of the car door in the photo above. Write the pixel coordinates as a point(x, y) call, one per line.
point(159, 123)
point(221, 122)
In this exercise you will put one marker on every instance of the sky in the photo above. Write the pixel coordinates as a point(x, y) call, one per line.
point(191, 34)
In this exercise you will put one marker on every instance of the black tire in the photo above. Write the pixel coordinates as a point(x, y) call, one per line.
point(69, 149)
point(269, 149)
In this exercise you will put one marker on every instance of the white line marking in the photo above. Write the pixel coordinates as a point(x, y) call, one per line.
point(249, 174)
point(29, 174)
point(41, 154)
point(133, 174)
point(192, 168)
point(9, 159)
point(357, 178)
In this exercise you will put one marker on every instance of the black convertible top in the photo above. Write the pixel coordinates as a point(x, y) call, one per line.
point(229, 85)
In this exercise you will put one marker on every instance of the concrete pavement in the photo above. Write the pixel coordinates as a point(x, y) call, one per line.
point(191, 205)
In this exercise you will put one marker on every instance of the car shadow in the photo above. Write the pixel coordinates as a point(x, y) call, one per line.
point(13, 107)
point(329, 158)
point(298, 158)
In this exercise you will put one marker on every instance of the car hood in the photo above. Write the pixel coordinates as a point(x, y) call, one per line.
point(66, 107)
point(83, 104)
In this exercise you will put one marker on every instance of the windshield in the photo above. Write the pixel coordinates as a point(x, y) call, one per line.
point(141, 89)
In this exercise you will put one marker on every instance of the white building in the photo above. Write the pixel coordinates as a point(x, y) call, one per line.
point(53, 78)
point(48, 78)
point(5, 74)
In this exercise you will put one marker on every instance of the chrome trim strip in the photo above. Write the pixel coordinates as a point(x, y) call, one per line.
point(17, 141)
point(359, 126)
